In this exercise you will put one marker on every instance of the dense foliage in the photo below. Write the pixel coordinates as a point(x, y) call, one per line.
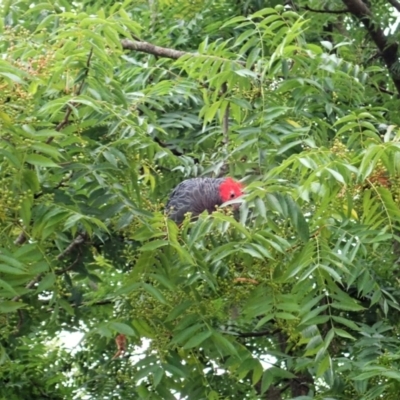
point(105, 106)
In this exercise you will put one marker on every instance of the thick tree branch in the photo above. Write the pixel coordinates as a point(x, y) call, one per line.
point(256, 334)
point(387, 48)
point(149, 48)
point(307, 8)
point(158, 51)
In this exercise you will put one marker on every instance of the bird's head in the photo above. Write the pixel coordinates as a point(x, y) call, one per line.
point(230, 189)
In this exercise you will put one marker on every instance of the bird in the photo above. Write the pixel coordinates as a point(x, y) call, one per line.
point(196, 195)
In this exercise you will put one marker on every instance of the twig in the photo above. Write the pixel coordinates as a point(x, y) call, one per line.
point(30, 285)
point(175, 152)
point(58, 186)
point(63, 123)
point(164, 145)
point(76, 242)
point(21, 239)
point(66, 269)
point(20, 321)
point(83, 304)
point(258, 334)
point(383, 90)
point(225, 130)
point(225, 122)
point(245, 280)
point(70, 106)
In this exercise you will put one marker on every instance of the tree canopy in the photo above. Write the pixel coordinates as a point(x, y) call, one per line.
point(106, 106)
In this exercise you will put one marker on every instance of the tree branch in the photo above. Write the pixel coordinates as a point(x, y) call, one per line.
point(76, 242)
point(225, 122)
point(149, 48)
point(21, 239)
point(225, 130)
point(387, 48)
point(69, 267)
point(256, 334)
point(164, 145)
point(30, 285)
point(70, 106)
point(383, 90)
point(307, 8)
point(245, 280)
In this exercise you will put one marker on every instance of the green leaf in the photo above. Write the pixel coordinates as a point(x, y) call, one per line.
point(11, 157)
point(12, 261)
point(196, 340)
point(298, 220)
point(154, 292)
point(14, 78)
point(313, 313)
point(122, 328)
point(324, 365)
point(223, 345)
point(47, 149)
point(155, 244)
point(10, 306)
point(283, 315)
point(344, 334)
point(178, 310)
point(350, 324)
point(266, 381)
point(257, 373)
point(40, 161)
point(8, 287)
point(336, 175)
point(11, 270)
point(392, 375)
point(157, 376)
point(46, 283)
point(184, 335)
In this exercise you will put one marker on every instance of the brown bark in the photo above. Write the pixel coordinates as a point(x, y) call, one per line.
point(387, 48)
point(149, 48)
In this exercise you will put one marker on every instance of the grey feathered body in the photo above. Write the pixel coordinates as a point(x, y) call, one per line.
point(194, 195)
